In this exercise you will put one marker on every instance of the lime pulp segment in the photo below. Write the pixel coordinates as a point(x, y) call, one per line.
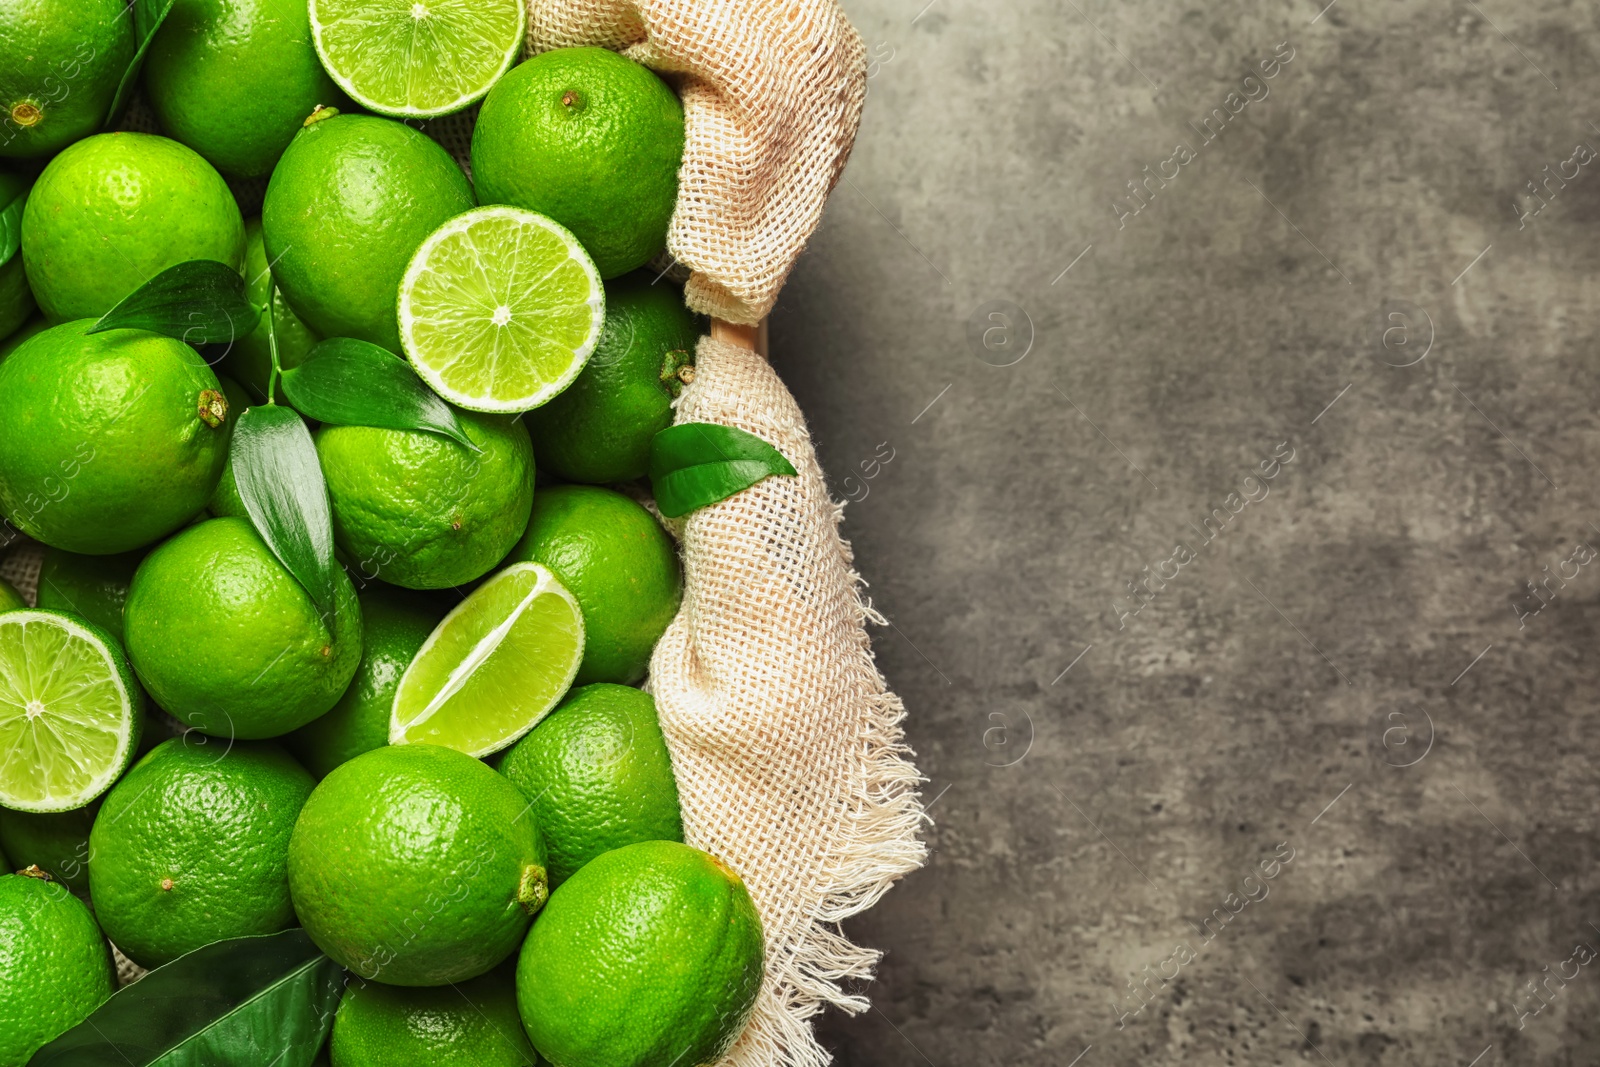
point(67, 716)
point(417, 58)
point(494, 667)
point(500, 309)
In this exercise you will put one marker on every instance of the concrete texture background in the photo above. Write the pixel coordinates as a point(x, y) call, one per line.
point(1354, 274)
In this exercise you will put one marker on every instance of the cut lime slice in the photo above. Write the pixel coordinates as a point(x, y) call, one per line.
point(417, 58)
point(500, 309)
point(69, 711)
point(494, 667)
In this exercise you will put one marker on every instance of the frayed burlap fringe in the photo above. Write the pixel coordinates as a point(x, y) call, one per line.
point(786, 744)
point(772, 93)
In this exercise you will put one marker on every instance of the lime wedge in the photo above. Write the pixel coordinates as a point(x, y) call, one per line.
point(500, 309)
point(417, 58)
point(494, 667)
point(69, 711)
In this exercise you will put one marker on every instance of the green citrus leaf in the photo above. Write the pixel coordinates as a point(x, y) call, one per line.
point(694, 464)
point(280, 481)
point(13, 198)
point(148, 15)
point(348, 382)
point(260, 1000)
point(200, 302)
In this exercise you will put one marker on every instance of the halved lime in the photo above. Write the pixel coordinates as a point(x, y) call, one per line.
point(417, 58)
point(69, 711)
point(500, 309)
point(494, 667)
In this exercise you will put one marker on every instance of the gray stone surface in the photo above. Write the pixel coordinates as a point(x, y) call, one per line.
point(1352, 666)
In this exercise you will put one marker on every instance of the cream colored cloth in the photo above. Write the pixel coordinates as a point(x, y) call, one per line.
point(786, 745)
point(772, 93)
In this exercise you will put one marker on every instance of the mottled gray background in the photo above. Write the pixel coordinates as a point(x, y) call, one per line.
point(1354, 666)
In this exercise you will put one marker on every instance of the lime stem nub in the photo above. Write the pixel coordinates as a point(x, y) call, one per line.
point(213, 408)
point(34, 871)
point(26, 114)
point(534, 889)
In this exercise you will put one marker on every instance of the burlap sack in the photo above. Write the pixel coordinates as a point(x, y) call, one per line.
point(786, 744)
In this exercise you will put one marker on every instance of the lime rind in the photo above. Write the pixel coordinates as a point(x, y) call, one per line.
point(494, 667)
point(500, 309)
point(69, 711)
point(417, 58)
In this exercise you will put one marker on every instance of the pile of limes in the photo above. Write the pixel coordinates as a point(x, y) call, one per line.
point(444, 770)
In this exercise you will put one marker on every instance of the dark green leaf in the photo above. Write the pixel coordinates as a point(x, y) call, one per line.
point(256, 1000)
point(280, 481)
point(13, 198)
point(348, 382)
point(148, 15)
point(698, 463)
point(199, 302)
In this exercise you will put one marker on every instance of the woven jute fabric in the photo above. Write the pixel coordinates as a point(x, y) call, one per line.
point(772, 93)
point(786, 744)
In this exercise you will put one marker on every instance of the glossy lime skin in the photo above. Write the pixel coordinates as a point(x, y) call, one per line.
point(113, 211)
point(616, 559)
point(57, 842)
point(55, 968)
point(394, 624)
point(416, 865)
point(650, 952)
point(234, 80)
point(60, 64)
point(419, 510)
point(591, 139)
point(250, 358)
point(106, 446)
point(598, 775)
point(192, 846)
point(90, 587)
point(472, 1024)
point(227, 641)
point(10, 599)
point(598, 430)
point(350, 201)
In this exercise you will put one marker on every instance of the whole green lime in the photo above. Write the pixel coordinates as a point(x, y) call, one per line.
point(113, 211)
point(192, 846)
point(36, 325)
point(471, 1024)
point(394, 624)
point(60, 64)
point(234, 79)
point(350, 201)
point(597, 773)
point(649, 955)
point(111, 440)
point(57, 842)
point(416, 865)
point(10, 599)
point(91, 587)
point(599, 429)
point(616, 559)
point(250, 358)
point(420, 510)
point(55, 968)
point(228, 642)
point(592, 140)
